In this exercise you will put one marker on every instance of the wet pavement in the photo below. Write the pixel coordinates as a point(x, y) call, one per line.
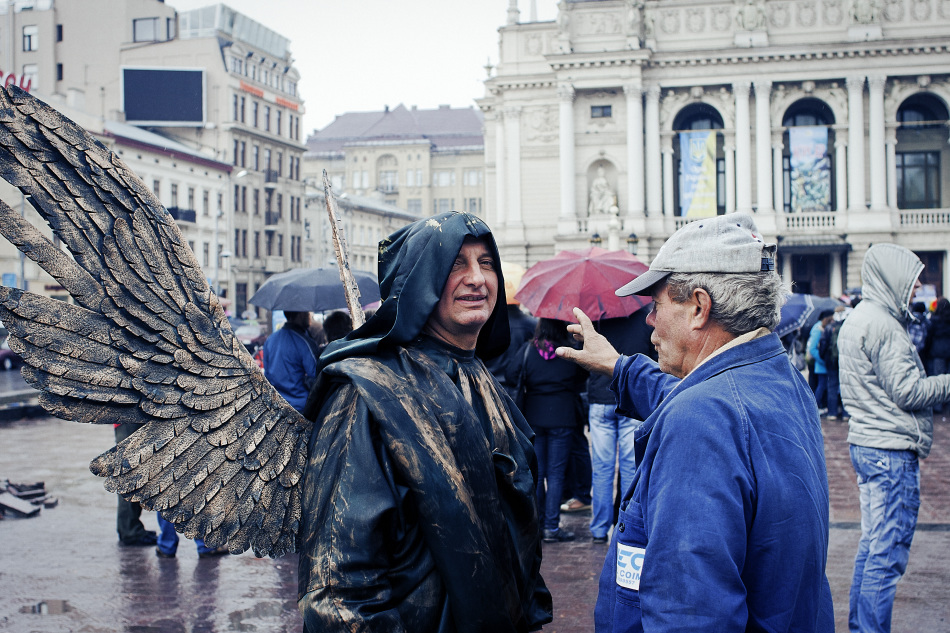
point(64, 571)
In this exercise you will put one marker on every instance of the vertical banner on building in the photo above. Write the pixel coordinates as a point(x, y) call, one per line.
point(810, 176)
point(698, 174)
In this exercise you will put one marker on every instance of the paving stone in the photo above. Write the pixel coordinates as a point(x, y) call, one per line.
point(70, 561)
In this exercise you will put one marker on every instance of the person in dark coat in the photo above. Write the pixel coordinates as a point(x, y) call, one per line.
point(522, 328)
point(552, 388)
point(938, 341)
point(418, 507)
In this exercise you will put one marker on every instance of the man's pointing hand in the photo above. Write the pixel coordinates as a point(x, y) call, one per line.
point(597, 355)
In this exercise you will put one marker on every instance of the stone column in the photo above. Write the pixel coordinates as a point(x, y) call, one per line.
point(763, 147)
point(841, 174)
point(891, 142)
point(835, 287)
point(856, 199)
point(565, 95)
point(729, 149)
point(669, 178)
point(743, 148)
point(653, 158)
point(635, 201)
point(501, 190)
point(778, 175)
point(786, 269)
point(513, 172)
point(876, 141)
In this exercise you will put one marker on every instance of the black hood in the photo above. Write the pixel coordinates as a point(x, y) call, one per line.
point(414, 264)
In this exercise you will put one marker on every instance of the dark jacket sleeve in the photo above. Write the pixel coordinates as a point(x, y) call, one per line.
point(354, 532)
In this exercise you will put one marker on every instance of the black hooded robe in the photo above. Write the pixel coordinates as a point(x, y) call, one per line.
point(419, 510)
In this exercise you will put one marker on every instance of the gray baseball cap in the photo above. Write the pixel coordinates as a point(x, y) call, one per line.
point(722, 244)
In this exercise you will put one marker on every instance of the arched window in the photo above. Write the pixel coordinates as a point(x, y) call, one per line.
point(808, 169)
point(699, 162)
point(921, 151)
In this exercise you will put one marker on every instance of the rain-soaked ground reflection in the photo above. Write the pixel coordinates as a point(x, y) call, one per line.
point(64, 570)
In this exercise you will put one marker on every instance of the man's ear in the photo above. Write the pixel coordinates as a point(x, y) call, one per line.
point(701, 308)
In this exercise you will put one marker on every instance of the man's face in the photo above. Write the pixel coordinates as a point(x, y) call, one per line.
point(468, 297)
point(913, 291)
point(671, 333)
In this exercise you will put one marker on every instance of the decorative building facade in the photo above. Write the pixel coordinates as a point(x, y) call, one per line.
point(624, 119)
point(216, 94)
point(423, 161)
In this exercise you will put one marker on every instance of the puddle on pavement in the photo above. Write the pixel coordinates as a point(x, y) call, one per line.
point(248, 619)
point(47, 607)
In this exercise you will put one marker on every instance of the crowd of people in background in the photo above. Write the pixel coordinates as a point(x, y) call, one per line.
point(585, 447)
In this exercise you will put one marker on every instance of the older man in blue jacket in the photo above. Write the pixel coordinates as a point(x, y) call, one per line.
point(725, 527)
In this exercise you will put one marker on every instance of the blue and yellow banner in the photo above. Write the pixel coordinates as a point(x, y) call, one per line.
point(698, 174)
point(810, 177)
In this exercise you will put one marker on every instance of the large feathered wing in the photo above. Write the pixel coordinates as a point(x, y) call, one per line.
point(220, 452)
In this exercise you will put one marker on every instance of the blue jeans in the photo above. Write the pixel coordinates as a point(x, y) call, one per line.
point(889, 488)
point(168, 538)
point(552, 447)
point(610, 434)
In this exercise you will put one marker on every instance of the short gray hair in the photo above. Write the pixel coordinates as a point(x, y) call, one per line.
point(741, 302)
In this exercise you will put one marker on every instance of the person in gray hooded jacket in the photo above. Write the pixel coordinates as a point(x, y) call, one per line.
point(891, 399)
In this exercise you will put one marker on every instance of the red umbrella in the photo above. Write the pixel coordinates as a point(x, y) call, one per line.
point(585, 279)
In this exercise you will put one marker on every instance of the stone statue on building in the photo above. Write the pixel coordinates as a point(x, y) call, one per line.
point(633, 22)
point(751, 16)
point(602, 197)
point(864, 11)
point(563, 27)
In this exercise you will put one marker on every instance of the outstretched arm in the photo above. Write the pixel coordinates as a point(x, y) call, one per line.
point(597, 355)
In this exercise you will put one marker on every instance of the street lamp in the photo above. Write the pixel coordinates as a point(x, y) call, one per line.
point(633, 243)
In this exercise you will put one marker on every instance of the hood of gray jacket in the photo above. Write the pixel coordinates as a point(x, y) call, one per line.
point(888, 275)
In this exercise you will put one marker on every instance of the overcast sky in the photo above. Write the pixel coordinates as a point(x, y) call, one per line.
point(360, 55)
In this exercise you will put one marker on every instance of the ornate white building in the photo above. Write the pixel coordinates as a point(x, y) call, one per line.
point(828, 119)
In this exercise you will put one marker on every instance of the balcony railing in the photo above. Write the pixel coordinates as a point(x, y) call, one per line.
point(923, 219)
point(270, 176)
point(808, 221)
point(183, 215)
point(271, 218)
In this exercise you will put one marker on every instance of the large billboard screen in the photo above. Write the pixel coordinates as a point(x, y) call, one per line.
point(163, 96)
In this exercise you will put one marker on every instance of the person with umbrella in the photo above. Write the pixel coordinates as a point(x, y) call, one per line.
point(587, 278)
point(290, 359)
point(725, 526)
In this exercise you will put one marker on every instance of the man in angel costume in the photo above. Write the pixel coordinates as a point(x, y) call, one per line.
point(409, 491)
point(419, 510)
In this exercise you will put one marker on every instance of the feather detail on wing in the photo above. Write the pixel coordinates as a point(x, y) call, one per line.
point(220, 453)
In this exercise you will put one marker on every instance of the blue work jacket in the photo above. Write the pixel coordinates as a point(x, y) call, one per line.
point(725, 527)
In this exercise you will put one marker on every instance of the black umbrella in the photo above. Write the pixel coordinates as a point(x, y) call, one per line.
point(312, 290)
point(801, 312)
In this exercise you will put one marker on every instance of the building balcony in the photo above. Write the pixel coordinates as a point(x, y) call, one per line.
point(809, 222)
point(388, 188)
point(182, 215)
point(271, 218)
point(922, 220)
point(270, 178)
